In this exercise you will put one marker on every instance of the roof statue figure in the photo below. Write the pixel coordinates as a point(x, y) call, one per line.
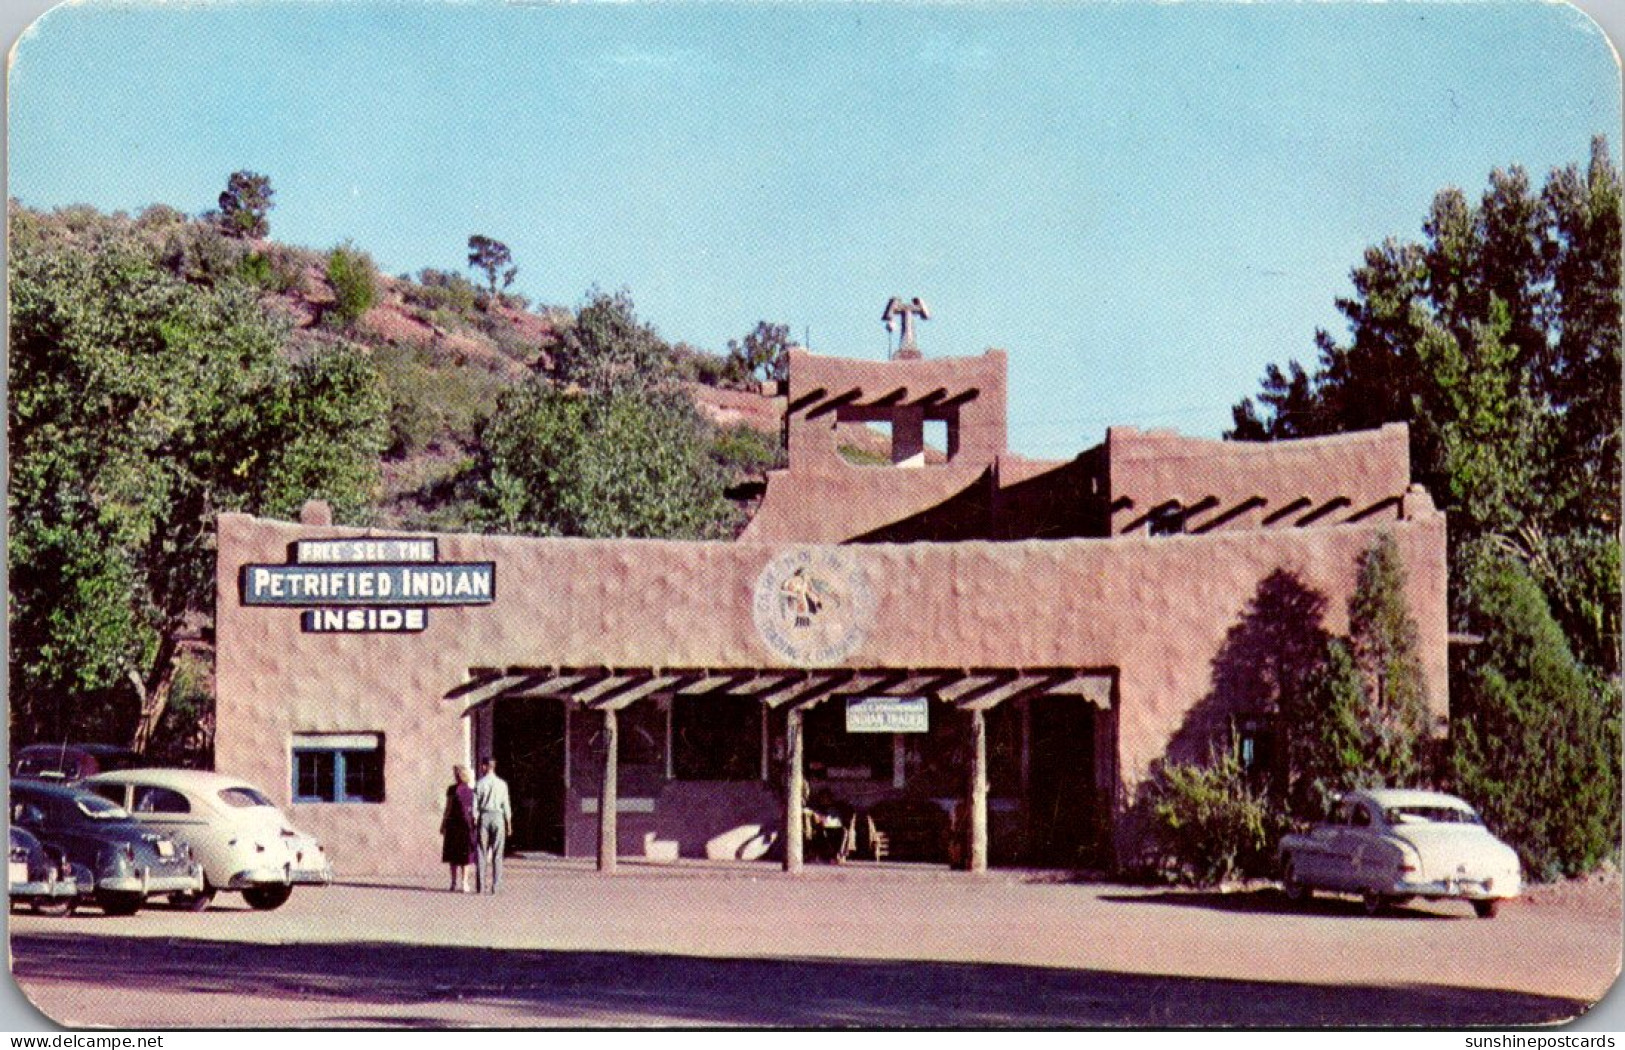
point(899, 311)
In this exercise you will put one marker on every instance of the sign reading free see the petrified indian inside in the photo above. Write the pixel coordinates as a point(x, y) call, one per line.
point(368, 585)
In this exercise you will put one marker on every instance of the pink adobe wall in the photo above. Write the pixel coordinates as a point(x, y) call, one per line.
point(822, 498)
point(1364, 468)
point(846, 500)
point(981, 420)
point(1156, 609)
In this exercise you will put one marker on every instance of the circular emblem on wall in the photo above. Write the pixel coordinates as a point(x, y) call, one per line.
point(813, 606)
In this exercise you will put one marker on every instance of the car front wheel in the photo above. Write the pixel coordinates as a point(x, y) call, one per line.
point(1487, 909)
point(119, 903)
point(267, 898)
point(1297, 891)
point(1373, 902)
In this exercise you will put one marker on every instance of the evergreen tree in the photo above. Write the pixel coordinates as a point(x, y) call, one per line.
point(1384, 646)
point(245, 204)
point(1536, 736)
point(1357, 715)
point(1326, 752)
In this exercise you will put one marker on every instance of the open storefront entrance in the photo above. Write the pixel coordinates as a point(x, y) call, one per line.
point(528, 743)
point(943, 766)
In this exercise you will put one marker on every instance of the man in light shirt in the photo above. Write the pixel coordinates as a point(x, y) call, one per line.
point(494, 816)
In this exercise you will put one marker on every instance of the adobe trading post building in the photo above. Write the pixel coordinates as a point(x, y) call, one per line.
point(979, 656)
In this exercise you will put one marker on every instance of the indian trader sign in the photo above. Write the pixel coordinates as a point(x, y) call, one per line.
point(368, 585)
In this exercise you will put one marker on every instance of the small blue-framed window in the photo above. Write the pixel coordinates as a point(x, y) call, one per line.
point(338, 767)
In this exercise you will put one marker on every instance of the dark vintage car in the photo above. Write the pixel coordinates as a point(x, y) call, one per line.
point(71, 761)
point(128, 862)
point(41, 877)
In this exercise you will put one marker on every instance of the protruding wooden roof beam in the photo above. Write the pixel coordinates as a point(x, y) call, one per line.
point(1224, 517)
point(972, 682)
point(538, 685)
point(1390, 504)
point(713, 682)
point(811, 397)
point(885, 400)
point(473, 694)
point(1324, 509)
point(1093, 686)
point(637, 691)
point(960, 398)
point(830, 405)
point(1290, 509)
point(928, 401)
point(1021, 685)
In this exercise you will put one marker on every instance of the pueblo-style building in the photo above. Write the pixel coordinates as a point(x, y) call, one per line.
point(970, 655)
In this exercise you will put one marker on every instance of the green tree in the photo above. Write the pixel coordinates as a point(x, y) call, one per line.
point(1487, 424)
point(1497, 338)
point(763, 355)
point(355, 283)
point(1502, 327)
point(244, 205)
point(1354, 711)
point(1325, 734)
point(600, 463)
point(609, 348)
point(492, 258)
point(141, 406)
point(1383, 641)
point(605, 442)
point(1536, 735)
point(1584, 385)
point(1212, 825)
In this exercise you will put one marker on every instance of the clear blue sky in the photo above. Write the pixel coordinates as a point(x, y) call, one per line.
point(1143, 203)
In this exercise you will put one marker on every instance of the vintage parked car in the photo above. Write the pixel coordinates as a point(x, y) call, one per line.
point(71, 761)
point(41, 877)
point(128, 862)
point(1389, 846)
point(243, 841)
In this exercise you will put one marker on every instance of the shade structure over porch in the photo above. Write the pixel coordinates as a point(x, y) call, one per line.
point(608, 690)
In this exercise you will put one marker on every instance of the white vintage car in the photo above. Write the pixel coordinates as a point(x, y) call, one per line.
point(1389, 846)
point(243, 841)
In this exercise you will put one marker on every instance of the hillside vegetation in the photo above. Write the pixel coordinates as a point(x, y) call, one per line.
point(165, 368)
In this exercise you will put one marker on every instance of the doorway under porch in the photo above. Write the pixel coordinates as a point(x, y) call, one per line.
point(990, 766)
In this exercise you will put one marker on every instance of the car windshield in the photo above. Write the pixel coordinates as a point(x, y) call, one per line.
point(1431, 815)
point(37, 767)
point(243, 797)
point(97, 808)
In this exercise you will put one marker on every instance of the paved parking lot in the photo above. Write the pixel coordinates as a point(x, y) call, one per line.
point(749, 946)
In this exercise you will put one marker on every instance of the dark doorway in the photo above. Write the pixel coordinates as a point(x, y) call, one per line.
point(1064, 814)
point(529, 749)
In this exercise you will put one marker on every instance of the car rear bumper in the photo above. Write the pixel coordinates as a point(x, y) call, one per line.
point(52, 889)
point(1464, 887)
point(149, 884)
point(285, 876)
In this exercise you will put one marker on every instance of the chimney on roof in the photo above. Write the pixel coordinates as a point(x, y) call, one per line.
point(901, 312)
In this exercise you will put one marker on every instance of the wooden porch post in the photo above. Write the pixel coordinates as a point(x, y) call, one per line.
point(792, 791)
point(978, 791)
point(607, 831)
